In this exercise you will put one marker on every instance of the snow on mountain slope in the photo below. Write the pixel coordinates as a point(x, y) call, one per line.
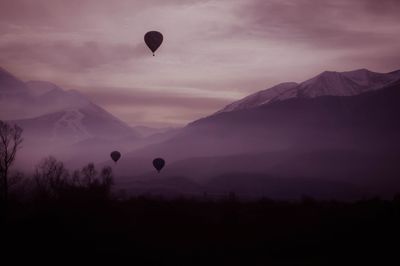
point(259, 98)
point(74, 125)
point(345, 83)
point(70, 116)
point(66, 125)
point(328, 83)
point(47, 111)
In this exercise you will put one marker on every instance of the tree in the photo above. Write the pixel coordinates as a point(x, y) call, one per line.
point(10, 142)
point(89, 179)
point(107, 178)
point(50, 177)
point(89, 174)
point(53, 181)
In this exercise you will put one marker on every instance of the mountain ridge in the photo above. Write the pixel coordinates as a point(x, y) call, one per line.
point(360, 122)
point(64, 111)
point(327, 83)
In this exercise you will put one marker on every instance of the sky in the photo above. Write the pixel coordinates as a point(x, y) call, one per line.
point(214, 51)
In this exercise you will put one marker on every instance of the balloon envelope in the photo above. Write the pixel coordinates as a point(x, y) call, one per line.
point(158, 163)
point(153, 39)
point(115, 155)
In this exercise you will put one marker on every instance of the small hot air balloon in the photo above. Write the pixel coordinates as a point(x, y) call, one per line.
point(115, 155)
point(153, 39)
point(158, 163)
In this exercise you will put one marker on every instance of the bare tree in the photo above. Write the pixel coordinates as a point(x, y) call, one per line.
point(107, 178)
point(51, 176)
point(93, 182)
point(89, 174)
point(54, 181)
point(10, 141)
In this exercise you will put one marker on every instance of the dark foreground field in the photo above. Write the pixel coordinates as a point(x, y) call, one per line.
point(156, 231)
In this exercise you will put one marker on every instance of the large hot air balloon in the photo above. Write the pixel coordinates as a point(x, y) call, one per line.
point(158, 163)
point(115, 155)
point(153, 39)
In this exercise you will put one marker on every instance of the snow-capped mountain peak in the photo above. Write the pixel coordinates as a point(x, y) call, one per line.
point(52, 113)
point(259, 98)
point(327, 83)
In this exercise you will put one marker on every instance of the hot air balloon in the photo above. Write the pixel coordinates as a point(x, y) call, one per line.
point(158, 163)
point(115, 155)
point(153, 39)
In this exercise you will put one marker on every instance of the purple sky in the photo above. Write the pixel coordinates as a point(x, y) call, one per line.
point(214, 51)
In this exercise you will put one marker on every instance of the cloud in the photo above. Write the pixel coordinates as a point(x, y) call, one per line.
point(324, 24)
point(66, 55)
point(67, 13)
point(214, 51)
point(140, 97)
point(138, 106)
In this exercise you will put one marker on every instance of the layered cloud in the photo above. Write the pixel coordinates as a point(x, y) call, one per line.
point(214, 51)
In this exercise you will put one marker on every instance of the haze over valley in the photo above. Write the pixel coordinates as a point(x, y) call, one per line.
point(336, 134)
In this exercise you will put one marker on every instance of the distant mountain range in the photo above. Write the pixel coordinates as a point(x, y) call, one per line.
point(327, 83)
point(343, 131)
point(66, 124)
point(338, 130)
point(337, 118)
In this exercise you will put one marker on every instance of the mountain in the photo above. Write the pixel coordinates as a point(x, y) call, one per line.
point(305, 122)
point(324, 122)
point(75, 124)
point(338, 130)
point(259, 98)
point(328, 83)
point(14, 93)
point(348, 139)
point(11, 87)
point(54, 119)
point(46, 111)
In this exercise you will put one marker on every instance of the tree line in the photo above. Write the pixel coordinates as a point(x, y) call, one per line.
point(51, 179)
